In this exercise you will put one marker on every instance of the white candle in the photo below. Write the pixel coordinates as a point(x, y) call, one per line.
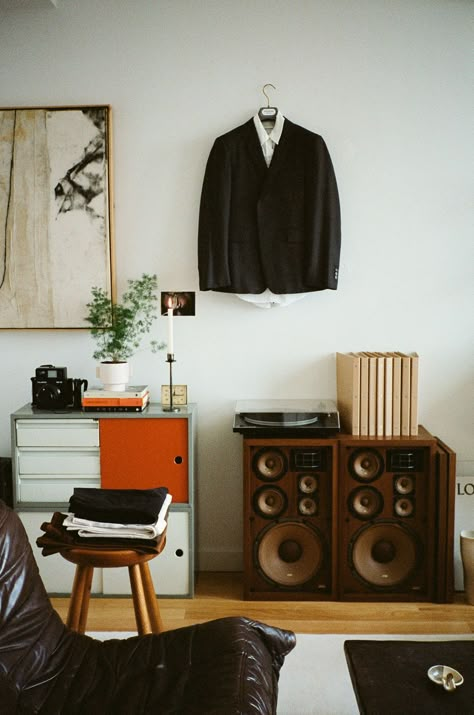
point(170, 332)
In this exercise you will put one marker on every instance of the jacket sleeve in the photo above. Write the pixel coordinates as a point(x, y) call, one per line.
point(323, 220)
point(213, 236)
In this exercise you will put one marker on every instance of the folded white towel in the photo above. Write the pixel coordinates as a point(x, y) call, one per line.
point(100, 529)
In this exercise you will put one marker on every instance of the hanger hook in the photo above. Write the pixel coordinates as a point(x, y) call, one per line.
point(266, 95)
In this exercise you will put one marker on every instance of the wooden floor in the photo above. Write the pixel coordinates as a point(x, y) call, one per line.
point(220, 594)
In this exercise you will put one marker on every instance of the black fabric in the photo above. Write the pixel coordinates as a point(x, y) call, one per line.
point(275, 227)
point(120, 506)
point(229, 666)
point(390, 677)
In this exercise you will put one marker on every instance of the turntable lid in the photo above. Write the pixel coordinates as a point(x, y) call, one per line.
point(291, 412)
point(290, 405)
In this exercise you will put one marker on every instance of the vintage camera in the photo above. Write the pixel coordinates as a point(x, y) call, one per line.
point(52, 389)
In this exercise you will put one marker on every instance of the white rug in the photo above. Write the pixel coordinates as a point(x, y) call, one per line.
point(314, 679)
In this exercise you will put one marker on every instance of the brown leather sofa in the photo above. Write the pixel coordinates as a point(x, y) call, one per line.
point(224, 667)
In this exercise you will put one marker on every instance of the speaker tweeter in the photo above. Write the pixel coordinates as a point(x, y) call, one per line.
point(307, 483)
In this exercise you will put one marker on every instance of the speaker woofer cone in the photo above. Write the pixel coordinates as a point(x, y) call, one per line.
point(270, 464)
point(289, 553)
point(384, 555)
point(365, 502)
point(269, 502)
point(365, 465)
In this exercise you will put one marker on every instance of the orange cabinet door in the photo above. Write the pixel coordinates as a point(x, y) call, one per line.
point(145, 453)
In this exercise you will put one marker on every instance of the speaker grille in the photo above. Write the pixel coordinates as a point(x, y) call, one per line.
point(289, 553)
point(308, 458)
point(405, 460)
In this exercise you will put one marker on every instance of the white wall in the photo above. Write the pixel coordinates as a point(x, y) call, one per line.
point(385, 82)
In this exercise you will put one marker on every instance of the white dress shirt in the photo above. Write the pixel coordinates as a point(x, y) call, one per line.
point(269, 134)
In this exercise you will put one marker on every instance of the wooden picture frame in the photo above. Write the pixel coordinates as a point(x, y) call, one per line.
point(55, 214)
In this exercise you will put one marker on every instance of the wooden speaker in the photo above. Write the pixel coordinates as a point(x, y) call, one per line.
point(290, 492)
point(390, 544)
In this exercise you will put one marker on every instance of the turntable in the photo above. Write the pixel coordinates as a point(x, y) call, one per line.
point(265, 418)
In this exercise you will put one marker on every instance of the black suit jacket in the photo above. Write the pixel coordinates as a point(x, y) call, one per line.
point(274, 227)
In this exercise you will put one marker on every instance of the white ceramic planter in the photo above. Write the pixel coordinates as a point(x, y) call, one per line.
point(114, 375)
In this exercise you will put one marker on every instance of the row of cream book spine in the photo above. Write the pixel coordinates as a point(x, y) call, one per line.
point(377, 393)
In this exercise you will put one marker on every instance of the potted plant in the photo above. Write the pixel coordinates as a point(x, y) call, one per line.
point(118, 328)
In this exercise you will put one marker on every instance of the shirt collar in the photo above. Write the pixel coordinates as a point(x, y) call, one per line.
point(275, 134)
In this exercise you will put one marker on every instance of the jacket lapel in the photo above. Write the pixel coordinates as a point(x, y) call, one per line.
point(254, 150)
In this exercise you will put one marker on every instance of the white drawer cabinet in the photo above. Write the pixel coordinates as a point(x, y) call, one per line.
point(42, 489)
point(57, 433)
point(59, 461)
point(169, 570)
point(52, 454)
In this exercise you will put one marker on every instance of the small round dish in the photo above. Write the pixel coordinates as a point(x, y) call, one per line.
point(446, 676)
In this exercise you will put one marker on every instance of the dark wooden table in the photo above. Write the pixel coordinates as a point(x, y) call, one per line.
point(390, 677)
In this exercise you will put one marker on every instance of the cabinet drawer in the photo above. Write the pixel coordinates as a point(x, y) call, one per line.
point(57, 433)
point(37, 489)
point(170, 570)
point(58, 461)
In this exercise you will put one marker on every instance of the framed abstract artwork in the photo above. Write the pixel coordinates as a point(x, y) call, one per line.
point(55, 214)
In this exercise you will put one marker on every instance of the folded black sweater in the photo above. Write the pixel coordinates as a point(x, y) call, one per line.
point(119, 506)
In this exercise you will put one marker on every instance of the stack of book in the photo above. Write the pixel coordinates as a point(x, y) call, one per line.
point(134, 399)
point(377, 393)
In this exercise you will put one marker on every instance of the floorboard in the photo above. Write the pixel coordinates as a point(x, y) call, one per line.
point(220, 594)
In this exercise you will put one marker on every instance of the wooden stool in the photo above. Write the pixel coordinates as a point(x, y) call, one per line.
point(147, 612)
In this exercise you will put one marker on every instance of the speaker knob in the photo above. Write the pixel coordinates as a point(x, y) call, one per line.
point(307, 483)
point(269, 502)
point(404, 485)
point(270, 464)
point(308, 506)
point(384, 554)
point(365, 465)
point(365, 502)
point(289, 553)
point(404, 507)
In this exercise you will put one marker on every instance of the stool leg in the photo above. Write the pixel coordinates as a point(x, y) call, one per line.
point(139, 601)
point(151, 600)
point(79, 603)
